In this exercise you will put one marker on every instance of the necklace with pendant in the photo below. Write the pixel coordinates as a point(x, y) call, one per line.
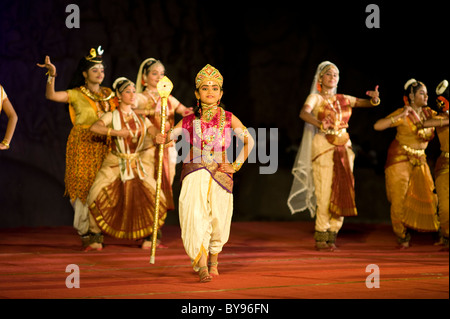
point(338, 112)
point(208, 111)
point(126, 118)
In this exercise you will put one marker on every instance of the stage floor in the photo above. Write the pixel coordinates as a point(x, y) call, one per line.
point(262, 260)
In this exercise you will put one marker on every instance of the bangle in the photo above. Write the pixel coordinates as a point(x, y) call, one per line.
point(321, 127)
point(236, 166)
point(440, 121)
point(5, 142)
point(375, 103)
point(392, 120)
point(109, 132)
point(51, 76)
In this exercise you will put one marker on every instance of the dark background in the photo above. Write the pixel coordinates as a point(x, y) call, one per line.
point(267, 53)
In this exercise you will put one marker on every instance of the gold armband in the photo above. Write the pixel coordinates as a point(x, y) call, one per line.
point(109, 132)
point(244, 132)
point(236, 166)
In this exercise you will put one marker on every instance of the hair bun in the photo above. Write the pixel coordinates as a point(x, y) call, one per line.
point(119, 80)
point(407, 84)
point(442, 87)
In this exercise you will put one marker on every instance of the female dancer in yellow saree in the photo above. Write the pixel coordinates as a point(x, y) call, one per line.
point(85, 150)
point(122, 197)
point(206, 199)
point(323, 169)
point(442, 164)
point(6, 105)
point(409, 183)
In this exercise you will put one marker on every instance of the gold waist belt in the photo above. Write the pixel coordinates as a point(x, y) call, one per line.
point(335, 132)
point(412, 151)
point(130, 157)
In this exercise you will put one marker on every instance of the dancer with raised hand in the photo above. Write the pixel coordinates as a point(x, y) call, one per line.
point(323, 169)
point(85, 151)
point(409, 183)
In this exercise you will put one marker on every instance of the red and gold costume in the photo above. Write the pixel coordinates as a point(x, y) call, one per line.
point(122, 198)
point(332, 163)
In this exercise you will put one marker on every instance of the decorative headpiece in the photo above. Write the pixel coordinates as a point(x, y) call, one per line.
point(442, 91)
point(95, 55)
point(143, 70)
point(321, 70)
point(325, 66)
point(208, 75)
point(121, 83)
point(410, 83)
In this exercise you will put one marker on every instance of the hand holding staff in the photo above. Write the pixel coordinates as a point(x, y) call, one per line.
point(164, 87)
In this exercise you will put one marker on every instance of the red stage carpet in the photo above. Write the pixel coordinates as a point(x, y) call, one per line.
point(262, 260)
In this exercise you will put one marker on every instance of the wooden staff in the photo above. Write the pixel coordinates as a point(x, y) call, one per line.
point(164, 87)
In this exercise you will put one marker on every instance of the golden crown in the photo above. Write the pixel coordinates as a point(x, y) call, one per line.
point(208, 74)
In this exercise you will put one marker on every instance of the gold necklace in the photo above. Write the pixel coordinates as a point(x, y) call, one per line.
point(97, 97)
point(208, 111)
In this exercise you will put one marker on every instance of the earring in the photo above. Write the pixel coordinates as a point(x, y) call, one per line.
point(218, 102)
point(198, 103)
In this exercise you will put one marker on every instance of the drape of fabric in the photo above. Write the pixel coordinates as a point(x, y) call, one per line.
point(302, 194)
point(342, 202)
point(122, 198)
point(205, 213)
point(125, 149)
point(409, 183)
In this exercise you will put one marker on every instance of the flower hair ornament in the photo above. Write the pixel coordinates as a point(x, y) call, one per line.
point(442, 91)
point(124, 82)
point(410, 83)
point(321, 70)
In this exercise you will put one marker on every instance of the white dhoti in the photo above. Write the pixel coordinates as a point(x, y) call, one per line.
point(205, 212)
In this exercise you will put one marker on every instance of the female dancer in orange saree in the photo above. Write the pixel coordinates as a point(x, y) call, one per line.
point(409, 183)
